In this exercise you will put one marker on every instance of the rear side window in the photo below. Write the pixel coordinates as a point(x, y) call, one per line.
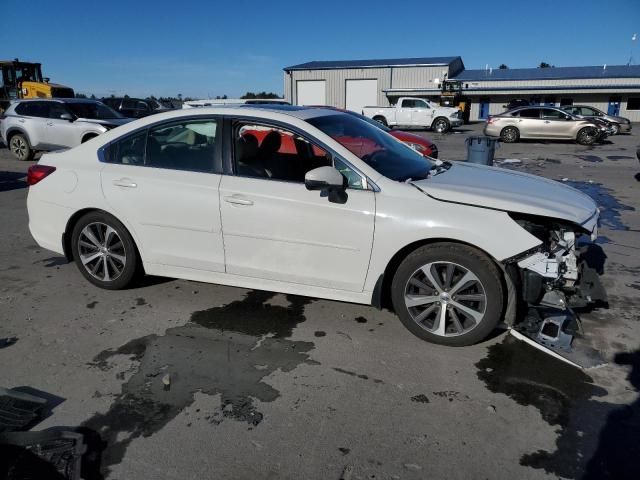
point(33, 109)
point(414, 103)
point(530, 113)
point(188, 146)
point(553, 114)
point(182, 146)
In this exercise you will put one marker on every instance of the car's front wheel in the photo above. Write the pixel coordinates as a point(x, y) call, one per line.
point(448, 293)
point(104, 251)
point(587, 136)
point(615, 129)
point(441, 125)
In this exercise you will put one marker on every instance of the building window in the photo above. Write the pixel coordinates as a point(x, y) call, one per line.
point(565, 102)
point(633, 103)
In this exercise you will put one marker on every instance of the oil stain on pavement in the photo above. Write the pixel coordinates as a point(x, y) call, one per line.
point(566, 397)
point(610, 206)
point(226, 350)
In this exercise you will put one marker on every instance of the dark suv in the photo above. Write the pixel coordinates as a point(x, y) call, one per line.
point(135, 107)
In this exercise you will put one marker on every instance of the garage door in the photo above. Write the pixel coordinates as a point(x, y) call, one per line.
point(311, 92)
point(361, 93)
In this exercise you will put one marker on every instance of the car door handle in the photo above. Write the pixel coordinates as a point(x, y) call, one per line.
point(547, 121)
point(21, 120)
point(125, 182)
point(49, 124)
point(238, 200)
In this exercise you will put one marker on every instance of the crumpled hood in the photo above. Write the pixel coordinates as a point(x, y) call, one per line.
point(511, 191)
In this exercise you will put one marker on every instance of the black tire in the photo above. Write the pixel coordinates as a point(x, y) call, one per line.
point(616, 128)
point(510, 135)
point(20, 147)
point(83, 246)
point(382, 120)
point(441, 125)
point(488, 282)
point(587, 136)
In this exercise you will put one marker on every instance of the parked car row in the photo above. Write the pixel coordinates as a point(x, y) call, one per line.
point(550, 123)
point(30, 126)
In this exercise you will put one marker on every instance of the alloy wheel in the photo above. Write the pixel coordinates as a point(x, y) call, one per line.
point(102, 251)
point(445, 299)
point(19, 147)
point(441, 126)
point(509, 135)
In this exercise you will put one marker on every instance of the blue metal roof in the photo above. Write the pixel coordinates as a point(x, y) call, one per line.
point(387, 62)
point(553, 73)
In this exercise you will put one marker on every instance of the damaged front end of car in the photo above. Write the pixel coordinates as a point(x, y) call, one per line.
point(553, 279)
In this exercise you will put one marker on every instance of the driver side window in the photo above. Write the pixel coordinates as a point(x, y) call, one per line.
point(274, 153)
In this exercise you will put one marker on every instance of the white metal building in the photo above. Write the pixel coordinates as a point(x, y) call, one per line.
point(353, 84)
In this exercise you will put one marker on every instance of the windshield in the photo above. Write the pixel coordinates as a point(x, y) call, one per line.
point(93, 111)
point(376, 148)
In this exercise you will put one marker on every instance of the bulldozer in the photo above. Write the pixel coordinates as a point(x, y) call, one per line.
point(24, 80)
point(452, 96)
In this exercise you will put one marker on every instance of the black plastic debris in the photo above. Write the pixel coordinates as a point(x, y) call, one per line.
point(18, 410)
point(7, 342)
point(49, 454)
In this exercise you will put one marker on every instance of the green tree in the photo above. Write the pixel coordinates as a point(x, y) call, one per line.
point(544, 65)
point(503, 66)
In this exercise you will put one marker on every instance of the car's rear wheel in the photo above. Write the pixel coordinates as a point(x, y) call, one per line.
point(587, 136)
point(441, 125)
point(448, 294)
point(615, 129)
point(104, 251)
point(20, 147)
point(510, 135)
point(381, 120)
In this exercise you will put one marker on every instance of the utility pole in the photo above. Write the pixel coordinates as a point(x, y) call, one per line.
point(634, 38)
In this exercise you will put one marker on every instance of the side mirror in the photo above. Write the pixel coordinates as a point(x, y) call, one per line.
point(66, 116)
point(329, 180)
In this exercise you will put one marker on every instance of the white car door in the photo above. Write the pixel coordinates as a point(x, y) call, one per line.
point(59, 132)
point(161, 181)
point(276, 229)
point(404, 113)
point(421, 113)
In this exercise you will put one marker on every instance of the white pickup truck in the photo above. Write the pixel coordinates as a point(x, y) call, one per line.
point(416, 112)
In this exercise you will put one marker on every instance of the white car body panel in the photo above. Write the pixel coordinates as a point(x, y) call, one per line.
point(289, 233)
point(289, 240)
point(176, 214)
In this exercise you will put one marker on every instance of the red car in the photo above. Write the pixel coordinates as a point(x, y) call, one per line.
point(420, 144)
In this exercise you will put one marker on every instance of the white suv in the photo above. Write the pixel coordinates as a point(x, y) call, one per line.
point(35, 125)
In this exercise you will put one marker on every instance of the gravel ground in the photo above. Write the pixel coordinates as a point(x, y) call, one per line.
point(185, 380)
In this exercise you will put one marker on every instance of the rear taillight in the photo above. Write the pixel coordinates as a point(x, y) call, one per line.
point(38, 172)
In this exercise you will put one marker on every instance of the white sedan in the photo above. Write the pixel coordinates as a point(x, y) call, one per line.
point(311, 202)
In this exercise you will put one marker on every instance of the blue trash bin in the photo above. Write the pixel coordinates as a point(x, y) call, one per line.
point(481, 149)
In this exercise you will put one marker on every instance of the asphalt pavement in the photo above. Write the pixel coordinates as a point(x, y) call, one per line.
point(185, 380)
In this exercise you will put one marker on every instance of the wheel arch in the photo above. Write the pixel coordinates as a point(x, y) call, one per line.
point(382, 291)
point(73, 220)
point(11, 131)
point(88, 136)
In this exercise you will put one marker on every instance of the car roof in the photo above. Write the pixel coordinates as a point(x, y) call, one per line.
point(61, 100)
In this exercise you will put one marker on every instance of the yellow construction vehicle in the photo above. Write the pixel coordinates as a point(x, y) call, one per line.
point(24, 80)
point(452, 96)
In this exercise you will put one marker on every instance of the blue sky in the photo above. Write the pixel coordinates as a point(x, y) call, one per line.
point(201, 48)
